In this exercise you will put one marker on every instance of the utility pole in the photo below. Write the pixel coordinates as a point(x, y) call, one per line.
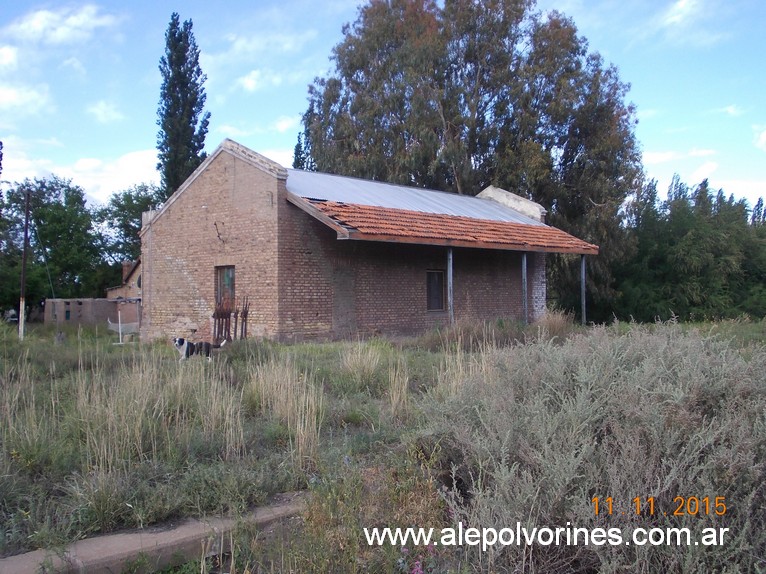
point(22, 302)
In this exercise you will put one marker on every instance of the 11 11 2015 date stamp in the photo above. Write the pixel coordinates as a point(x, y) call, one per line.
point(647, 506)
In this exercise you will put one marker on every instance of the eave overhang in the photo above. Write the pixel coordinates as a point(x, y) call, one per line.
point(372, 223)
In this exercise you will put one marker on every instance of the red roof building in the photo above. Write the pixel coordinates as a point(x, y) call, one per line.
point(324, 256)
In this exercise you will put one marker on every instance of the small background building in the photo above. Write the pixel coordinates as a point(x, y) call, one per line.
point(323, 256)
point(122, 305)
point(79, 311)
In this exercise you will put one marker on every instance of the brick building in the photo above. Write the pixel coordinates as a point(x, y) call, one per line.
point(323, 256)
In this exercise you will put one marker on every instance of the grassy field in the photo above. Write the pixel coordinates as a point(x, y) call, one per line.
point(486, 424)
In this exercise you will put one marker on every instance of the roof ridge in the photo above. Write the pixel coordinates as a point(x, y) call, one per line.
point(254, 158)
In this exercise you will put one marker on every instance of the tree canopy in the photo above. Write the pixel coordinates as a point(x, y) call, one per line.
point(121, 219)
point(183, 125)
point(65, 258)
point(699, 256)
point(473, 94)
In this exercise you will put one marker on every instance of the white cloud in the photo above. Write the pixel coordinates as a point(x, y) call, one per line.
point(283, 157)
point(749, 189)
point(23, 100)
point(680, 13)
point(62, 26)
point(704, 171)
point(732, 110)
point(9, 58)
point(232, 131)
point(658, 157)
point(702, 152)
point(249, 51)
point(17, 165)
point(75, 64)
point(100, 179)
point(251, 82)
point(87, 164)
point(268, 43)
point(693, 23)
point(259, 79)
point(286, 123)
point(105, 112)
point(760, 137)
point(646, 114)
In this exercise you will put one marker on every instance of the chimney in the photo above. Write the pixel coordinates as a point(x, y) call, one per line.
point(515, 202)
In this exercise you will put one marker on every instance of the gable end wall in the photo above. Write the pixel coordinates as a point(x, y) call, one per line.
point(226, 216)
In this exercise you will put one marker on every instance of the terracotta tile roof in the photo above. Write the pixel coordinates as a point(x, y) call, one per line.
point(366, 222)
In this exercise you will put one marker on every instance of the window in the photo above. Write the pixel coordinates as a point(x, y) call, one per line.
point(435, 290)
point(224, 285)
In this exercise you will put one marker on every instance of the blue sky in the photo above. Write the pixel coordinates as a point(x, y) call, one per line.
point(79, 82)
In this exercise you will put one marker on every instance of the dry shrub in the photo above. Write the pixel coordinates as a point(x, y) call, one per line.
point(353, 498)
point(474, 335)
point(656, 412)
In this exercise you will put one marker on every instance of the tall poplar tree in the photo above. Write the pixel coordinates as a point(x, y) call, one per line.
point(183, 125)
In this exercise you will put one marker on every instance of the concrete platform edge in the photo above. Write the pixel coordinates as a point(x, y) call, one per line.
point(153, 548)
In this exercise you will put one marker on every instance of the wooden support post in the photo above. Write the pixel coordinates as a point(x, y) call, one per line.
point(450, 298)
point(582, 288)
point(524, 299)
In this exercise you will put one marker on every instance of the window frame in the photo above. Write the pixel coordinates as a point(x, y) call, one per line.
point(431, 294)
point(224, 292)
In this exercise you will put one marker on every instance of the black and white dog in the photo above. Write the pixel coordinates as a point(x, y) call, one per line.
point(187, 348)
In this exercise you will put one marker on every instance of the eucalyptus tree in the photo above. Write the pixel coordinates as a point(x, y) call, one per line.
point(467, 94)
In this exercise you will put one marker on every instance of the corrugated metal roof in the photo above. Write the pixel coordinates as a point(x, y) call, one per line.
point(372, 223)
point(314, 185)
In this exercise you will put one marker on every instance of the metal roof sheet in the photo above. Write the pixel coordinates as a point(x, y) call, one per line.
point(314, 185)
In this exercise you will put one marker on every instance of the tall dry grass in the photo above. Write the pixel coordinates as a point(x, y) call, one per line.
point(141, 411)
point(359, 363)
point(277, 388)
point(109, 437)
point(472, 335)
point(398, 388)
point(460, 368)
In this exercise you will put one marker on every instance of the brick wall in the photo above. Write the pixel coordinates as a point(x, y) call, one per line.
point(226, 216)
point(80, 311)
